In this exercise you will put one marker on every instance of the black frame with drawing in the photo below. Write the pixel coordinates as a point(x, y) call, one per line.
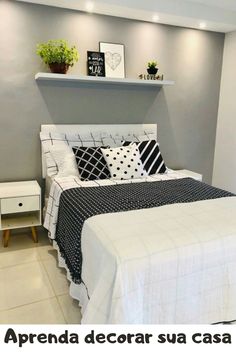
point(114, 59)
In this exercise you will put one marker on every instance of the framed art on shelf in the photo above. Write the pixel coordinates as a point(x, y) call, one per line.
point(96, 63)
point(114, 59)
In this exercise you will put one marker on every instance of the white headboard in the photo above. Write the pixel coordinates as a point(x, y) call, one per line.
point(121, 129)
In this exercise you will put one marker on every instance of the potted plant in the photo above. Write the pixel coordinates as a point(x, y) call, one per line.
point(152, 68)
point(58, 55)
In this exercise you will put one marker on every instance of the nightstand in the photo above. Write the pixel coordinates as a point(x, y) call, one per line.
point(192, 174)
point(20, 206)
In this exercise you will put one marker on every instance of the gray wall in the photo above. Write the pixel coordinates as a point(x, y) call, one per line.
point(225, 161)
point(186, 113)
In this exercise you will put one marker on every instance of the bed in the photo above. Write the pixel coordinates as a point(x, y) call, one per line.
point(155, 250)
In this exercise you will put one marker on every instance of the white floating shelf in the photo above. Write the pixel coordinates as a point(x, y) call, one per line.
point(100, 80)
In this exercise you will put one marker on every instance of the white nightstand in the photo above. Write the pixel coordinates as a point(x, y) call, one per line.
point(20, 206)
point(192, 174)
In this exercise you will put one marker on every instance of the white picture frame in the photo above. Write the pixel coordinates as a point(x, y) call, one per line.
point(114, 59)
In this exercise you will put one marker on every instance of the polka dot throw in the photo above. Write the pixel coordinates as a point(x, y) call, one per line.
point(124, 162)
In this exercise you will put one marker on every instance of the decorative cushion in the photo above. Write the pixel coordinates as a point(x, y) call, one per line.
point(150, 156)
point(60, 140)
point(65, 161)
point(124, 162)
point(91, 163)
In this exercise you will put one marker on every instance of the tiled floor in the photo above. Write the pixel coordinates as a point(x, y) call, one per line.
point(33, 289)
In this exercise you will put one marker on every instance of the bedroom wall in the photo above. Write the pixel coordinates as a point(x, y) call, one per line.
point(225, 161)
point(186, 114)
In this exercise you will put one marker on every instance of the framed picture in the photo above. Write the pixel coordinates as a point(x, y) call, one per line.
point(114, 59)
point(96, 63)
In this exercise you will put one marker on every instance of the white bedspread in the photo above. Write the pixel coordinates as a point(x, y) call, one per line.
point(169, 265)
point(172, 264)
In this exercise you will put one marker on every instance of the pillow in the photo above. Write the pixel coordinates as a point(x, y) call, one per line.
point(91, 163)
point(115, 140)
point(150, 156)
point(65, 161)
point(50, 139)
point(124, 162)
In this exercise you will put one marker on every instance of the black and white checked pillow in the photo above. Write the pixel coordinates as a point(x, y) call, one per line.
point(150, 156)
point(91, 163)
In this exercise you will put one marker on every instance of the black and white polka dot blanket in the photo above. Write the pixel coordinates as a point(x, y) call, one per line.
point(79, 204)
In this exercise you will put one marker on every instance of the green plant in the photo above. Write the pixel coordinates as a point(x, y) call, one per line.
point(58, 51)
point(152, 64)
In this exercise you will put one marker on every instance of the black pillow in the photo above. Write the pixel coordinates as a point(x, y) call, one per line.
point(150, 156)
point(91, 163)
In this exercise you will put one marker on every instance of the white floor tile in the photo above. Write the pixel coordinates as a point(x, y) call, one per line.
point(23, 284)
point(57, 277)
point(70, 308)
point(47, 253)
point(16, 257)
point(29, 281)
point(43, 312)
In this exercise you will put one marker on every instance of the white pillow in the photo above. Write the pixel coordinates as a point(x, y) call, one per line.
point(124, 162)
point(60, 140)
point(65, 161)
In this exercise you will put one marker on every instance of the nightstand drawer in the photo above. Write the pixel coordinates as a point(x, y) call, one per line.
point(19, 204)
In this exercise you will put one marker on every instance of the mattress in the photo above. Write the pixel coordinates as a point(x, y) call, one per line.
point(48, 184)
point(166, 265)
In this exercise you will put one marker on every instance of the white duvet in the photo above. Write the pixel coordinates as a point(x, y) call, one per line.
point(167, 265)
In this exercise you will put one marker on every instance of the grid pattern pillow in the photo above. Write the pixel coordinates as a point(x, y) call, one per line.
point(124, 162)
point(150, 156)
point(115, 140)
point(91, 163)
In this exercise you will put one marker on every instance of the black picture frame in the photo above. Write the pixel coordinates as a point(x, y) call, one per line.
point(96, 64)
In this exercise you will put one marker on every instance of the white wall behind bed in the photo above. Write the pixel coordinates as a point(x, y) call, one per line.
point(225, 161)
point(113, 129)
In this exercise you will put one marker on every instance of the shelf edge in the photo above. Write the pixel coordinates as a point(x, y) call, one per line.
point(101, 80)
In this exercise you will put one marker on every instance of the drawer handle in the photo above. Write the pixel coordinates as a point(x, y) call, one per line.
point(20, 204)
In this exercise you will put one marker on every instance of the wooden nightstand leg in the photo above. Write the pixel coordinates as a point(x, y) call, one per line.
point(34, 234)
point(6, 236)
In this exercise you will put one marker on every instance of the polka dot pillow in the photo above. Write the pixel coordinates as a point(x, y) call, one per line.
point(124, 162)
